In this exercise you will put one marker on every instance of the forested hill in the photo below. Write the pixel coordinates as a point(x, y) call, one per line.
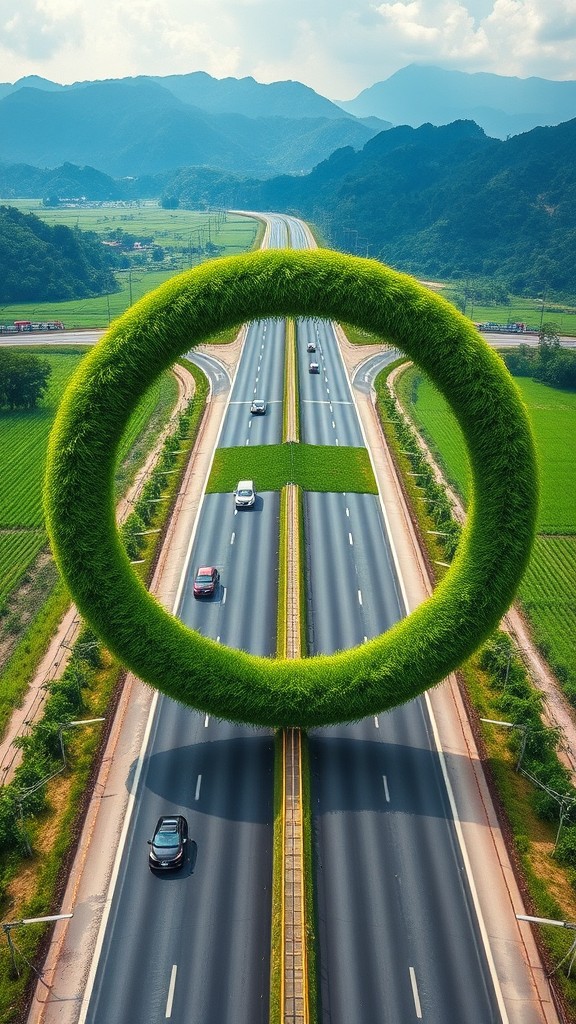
point(435, 201)
point(41, 263)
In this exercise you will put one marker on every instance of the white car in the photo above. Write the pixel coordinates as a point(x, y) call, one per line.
point(258, 407)
point(245, 495)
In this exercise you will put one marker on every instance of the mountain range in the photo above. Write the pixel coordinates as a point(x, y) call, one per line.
point(501, 105)
point(148, 125)
point(438, 200)
point(138, 126)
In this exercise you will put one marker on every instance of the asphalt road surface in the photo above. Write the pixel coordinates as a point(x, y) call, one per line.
point(398, 937)
point(399, 940)
point(195, 947)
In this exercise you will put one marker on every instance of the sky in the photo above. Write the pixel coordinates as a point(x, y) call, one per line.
point(338, 47)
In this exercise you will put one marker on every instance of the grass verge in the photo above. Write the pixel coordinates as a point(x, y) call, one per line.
point(277, 938)
point(495, 685)
point(312, 467)
point(32, 886)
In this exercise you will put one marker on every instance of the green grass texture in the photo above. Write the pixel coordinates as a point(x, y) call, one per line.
point(23, 445)
point(548, 596)
point(548, 589)
point(552, 412)
point(313, 467)
point(24, 437)
point(417, 652)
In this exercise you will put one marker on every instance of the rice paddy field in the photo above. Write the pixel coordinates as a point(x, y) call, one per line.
point(23, 443)
point(548, 590)
point(182, 234)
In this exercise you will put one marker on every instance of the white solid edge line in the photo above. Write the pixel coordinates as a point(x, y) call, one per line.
point(188, 556)
point(171, 988)
point(118, 860)
point(415, 993)
point(451, 799)
point(389, 536)
point(132, 797)
point(467, 866)
point(185, 567)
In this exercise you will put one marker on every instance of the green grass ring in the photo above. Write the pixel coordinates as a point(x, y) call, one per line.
point(417, 652)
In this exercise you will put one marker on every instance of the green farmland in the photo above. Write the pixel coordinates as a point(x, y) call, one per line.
point(548, 590)
point(186, 238)
point(23, 443)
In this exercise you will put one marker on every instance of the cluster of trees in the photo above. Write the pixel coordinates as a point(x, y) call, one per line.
point(549, 363)
point(24, 379)
point(444, 202)
point(39, 263)
point(488, 291)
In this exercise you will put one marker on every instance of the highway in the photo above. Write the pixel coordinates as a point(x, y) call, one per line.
point(397, 931)
point(198, 944)
point(399, 938)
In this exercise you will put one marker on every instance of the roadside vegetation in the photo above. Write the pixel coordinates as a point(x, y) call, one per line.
point(532, 786)
point(32, 596)
point(41, 811)
point(547, 593)
point(150, 244)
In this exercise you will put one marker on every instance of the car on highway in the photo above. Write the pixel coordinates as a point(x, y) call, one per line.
point(311, 346)
point(314, 368)
point(205, 581)
point(245, 495)
point(168, 844)
point(258, 407)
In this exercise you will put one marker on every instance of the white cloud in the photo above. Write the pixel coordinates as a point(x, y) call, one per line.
point(33, 33)
point(336, 46)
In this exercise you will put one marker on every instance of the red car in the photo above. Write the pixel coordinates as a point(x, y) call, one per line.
point(206, 581)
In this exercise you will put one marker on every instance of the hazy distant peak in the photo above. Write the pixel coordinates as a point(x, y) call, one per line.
point(502, 105)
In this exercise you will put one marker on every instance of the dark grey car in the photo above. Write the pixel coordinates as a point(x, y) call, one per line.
point(168, 844)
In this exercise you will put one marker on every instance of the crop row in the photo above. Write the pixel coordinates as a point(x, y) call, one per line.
point(23, 442)
point(548, 595)
point(552, 413)
point(17, 551)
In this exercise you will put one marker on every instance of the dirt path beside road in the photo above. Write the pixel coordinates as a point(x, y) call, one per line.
point(59, 651)
point(524, 985)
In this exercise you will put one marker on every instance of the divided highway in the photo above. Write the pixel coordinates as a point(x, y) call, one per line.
point(398, 935)
point(195, 947)
point(398, 932)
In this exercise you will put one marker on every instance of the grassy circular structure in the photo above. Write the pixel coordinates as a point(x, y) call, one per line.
point(417, 652)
